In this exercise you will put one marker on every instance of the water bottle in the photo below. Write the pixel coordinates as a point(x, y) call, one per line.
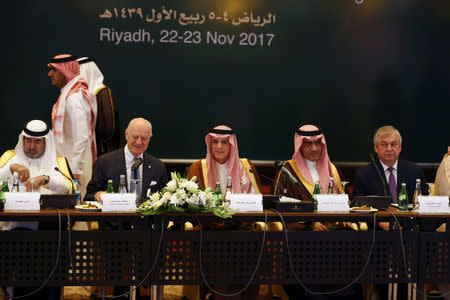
point(15, 187)
point(76, 189)
point(331, 186)
point(217, 195)
point(109, 187)
point(229, 190)
point(122, 187)
point(403, 199)
point(315, 193)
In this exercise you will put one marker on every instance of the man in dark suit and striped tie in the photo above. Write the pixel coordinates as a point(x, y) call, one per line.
point(151, 174)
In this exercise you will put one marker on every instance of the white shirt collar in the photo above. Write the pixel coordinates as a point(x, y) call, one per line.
point(311, 164)
point(128, 156)
point(386, 167)
point(313, 170)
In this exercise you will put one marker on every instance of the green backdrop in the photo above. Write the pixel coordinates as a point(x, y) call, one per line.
point(261, 67)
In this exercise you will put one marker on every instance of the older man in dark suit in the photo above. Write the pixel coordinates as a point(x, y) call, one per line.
point(386, 173)
point(113, 164)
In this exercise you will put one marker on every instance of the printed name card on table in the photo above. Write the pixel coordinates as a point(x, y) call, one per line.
point(245, 202)
point(333, 202)
point(434, 204)
point(125, 202)
point(22, 201)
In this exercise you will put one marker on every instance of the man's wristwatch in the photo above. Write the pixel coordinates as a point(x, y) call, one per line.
point(46, 179)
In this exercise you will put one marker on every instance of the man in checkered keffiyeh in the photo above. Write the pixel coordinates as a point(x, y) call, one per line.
point(73, 117)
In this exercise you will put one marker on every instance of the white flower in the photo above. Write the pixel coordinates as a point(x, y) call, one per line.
point(181, 193)
point(174, 200)
point(167, 196)
point(158, 204)
point(191, 186)
point(182, 184)
point(155, 197)
point(193, 200)
point(172, 185)
point(209, 196)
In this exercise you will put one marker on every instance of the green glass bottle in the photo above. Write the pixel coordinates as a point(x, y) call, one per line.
point(110, 188)
point(403, 198)
point(217, 195)
point(5, 188)
point(315, 192)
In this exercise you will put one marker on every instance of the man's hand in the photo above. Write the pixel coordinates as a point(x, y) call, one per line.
point(98, 195)
point(35, 183)
point(23, 172)
point(317, 226)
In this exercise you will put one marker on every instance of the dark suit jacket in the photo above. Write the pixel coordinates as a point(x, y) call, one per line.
point(111, 165)
point(369, 182)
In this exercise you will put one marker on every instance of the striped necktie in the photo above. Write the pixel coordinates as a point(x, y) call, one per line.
point(138, 180)
point(392, 184)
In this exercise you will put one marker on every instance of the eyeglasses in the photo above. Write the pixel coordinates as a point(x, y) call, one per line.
point(386, 145)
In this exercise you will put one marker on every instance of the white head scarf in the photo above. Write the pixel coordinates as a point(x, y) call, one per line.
point(37, 129)
point(91, 73)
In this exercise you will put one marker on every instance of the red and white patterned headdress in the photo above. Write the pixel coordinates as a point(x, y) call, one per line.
point(235, 170)
point(323, 165)
point(66, 64)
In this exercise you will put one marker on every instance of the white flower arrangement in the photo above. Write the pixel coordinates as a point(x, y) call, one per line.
point(184, 196)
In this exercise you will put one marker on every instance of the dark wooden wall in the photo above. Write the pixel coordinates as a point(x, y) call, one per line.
point(267, 170)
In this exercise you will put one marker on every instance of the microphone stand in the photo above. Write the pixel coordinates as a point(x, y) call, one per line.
point(70, 179)
point(269, 179)
point(379, 173)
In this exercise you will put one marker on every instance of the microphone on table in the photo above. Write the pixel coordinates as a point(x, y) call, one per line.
point(70, 179)
point(186, 171)
point(286, 172)
point(266, 177)
point(379, 174)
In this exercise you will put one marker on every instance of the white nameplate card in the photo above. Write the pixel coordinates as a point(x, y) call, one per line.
point(22, 201)
point(245, 202)
point(433, 204)
point(119, 202)
point(333, 202)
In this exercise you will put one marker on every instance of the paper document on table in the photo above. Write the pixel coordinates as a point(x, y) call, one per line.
point(285, 199)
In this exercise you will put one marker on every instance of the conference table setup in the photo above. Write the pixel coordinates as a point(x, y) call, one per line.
point(147, 251)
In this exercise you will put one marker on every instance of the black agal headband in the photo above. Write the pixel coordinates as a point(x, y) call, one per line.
point(36, 133)
point(309, 133)
point(85, 60)
point(63, 59)
point(221, 131)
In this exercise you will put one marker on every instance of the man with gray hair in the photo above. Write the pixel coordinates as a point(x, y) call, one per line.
point(385, 174)
point(150, 174)
point(113, 164)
